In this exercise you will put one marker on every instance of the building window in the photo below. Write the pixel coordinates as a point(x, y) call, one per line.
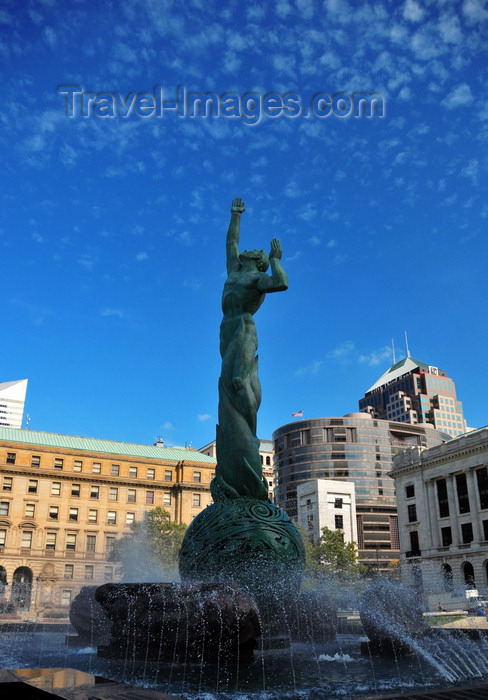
point(113, 494)
point(195, 499)
point(11, 457)
point(414, 543)
point(151, 473)
point(73, 514)
point(35, 461)
point(56, 488)
point(58, 463)
point(114, 470)
point(133, 472)
point(412, 513)
point(75, 490)
point(92, 515)
point(310, 522)
point(338, 503)
point(32, 486)
point(447, 577)
point(91, 543)
point(89, 572)
point(108, 573)
point(131, 495)
point(166, 498)
point(50, 541)
point(462, 493)
point(442, 498)
point(94, 491)
point(26, 541)
point(446, 535)
point(30, 510)
point(4, 506)
point(149, 498)
point(130, 518)
point(410, 491)
point(467, 532)
point(77, 465)
point(65, 598)
point(69, 570)
point(168, 475)
point(109, 544)
point(96, 467)
point(197, 477)
point(482, 477)
point(111, 517)
point(70, 541)
point(339, 522)
point(53, 512)
point(3, 537)
point(7, 483)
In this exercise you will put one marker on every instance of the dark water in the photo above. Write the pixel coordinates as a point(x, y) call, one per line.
point(302, 672)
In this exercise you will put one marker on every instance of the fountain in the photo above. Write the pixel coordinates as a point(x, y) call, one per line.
point(238, 626)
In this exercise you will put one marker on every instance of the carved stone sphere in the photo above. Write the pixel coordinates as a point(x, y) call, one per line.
point(249, 541)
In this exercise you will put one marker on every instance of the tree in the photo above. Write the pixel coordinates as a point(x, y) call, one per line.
point(149, 552)
point(331, 557)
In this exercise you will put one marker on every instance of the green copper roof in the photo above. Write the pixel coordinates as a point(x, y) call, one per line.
point(405, 366)
point(73, 442)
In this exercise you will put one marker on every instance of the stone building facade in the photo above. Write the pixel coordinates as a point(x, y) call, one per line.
point(64, 500)
point(442, 496)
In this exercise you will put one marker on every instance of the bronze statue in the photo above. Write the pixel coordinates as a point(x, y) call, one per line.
point(239, 470)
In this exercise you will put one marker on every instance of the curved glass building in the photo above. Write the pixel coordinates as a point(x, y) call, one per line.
point(354, 448)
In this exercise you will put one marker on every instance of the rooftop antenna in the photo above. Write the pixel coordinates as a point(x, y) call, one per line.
point(393, 351)
point(406, 344)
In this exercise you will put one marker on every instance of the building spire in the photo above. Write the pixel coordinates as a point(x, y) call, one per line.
point(393, 351)
point(406, 344)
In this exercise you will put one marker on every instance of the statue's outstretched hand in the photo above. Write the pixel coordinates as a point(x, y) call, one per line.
point(238, 206)
point(275, 251)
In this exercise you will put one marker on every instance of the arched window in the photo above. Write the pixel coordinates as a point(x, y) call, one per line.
point(468, 573)
point(22, 588)
point(447, 577)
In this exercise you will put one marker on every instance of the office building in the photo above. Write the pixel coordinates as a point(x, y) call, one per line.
point(327, 503)
point(358, 449)
point(12, 400)
point(442, 495)
point(64, 500)
point(414, 392)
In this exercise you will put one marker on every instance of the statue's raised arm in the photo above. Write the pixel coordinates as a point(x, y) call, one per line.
point(238, 207)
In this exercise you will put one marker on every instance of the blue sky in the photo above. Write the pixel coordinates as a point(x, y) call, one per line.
point(112, 229)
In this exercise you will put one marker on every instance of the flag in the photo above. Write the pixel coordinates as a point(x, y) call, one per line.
point(297, 414)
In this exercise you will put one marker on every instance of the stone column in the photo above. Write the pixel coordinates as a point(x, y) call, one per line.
point(432, 510)
point(474, 506)
point(453, 510)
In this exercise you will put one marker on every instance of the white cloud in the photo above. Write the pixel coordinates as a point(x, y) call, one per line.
point(474, 11)
point(111, 312)
point(142, 256)
point(412, 11)
point(377, 356)
point(314, 240)
point(310, 369)
point(204, 417)
point(341, 350)
point(461, 96)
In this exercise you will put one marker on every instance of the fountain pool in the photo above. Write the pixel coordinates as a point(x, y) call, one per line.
point(303, 671)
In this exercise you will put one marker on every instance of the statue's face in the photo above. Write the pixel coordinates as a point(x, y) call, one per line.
point(259, 257)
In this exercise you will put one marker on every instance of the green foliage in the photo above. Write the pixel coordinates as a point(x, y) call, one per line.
point(332, 558)
point(149, 552)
